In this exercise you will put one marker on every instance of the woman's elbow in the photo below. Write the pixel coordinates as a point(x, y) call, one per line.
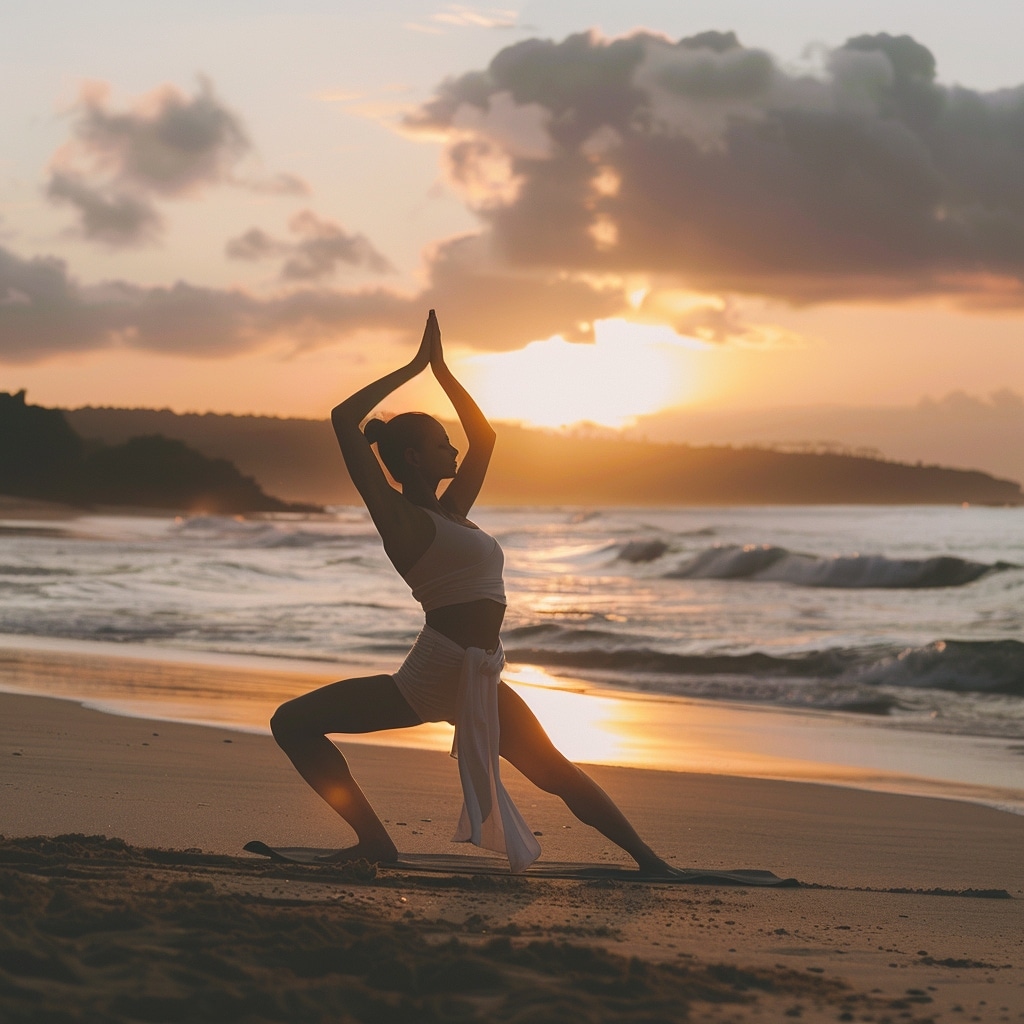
point(481, 445)
point(483, 434)
point(342, 417)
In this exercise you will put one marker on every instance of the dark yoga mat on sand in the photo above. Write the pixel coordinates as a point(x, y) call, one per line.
point(459, 864)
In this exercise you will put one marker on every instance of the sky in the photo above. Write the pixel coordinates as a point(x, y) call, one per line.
point(655, 216)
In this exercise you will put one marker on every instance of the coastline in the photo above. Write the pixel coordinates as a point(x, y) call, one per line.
point(882, 925)
point(910, 904)
point(591, 724)
point(75, 769)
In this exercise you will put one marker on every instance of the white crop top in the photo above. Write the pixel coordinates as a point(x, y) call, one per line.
point(462, 564)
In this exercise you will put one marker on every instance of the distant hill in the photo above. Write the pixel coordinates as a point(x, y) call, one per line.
point(43, 457)
point(299, 459)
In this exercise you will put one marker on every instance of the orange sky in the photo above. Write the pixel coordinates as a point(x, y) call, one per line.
point(252, 210)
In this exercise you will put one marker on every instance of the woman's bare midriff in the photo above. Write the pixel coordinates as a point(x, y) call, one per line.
point(472, 624)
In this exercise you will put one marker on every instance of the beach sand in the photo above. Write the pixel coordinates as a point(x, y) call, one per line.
point(12, 507)
point(174, 922)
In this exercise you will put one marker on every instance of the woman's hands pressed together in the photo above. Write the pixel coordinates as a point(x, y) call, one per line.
point(436, 351)
point(425, 353)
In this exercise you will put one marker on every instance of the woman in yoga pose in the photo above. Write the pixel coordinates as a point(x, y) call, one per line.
point(453, 671)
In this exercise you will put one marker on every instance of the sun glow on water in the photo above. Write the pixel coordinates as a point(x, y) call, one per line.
point(582, 726)
point(629, 370)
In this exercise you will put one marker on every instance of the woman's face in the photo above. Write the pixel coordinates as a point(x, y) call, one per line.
point(436, 455)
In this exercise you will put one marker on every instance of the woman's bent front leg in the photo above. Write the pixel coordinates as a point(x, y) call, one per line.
point(301, 727)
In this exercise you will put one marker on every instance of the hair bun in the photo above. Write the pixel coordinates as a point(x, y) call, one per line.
point(374, 430)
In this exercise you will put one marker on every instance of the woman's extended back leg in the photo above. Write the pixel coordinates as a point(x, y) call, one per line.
point(301, 726)
point(525, 744)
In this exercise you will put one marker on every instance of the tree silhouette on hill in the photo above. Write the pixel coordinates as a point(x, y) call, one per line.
point(41, 456)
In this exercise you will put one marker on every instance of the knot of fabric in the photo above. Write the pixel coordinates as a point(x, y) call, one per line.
point(489, 817)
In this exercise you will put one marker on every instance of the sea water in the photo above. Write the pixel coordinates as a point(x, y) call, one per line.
point(914, 614)
point(869, 639)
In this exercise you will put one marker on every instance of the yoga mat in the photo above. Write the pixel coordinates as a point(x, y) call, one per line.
point(461, 864)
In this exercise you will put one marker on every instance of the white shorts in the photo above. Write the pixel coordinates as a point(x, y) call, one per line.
point(429, 677)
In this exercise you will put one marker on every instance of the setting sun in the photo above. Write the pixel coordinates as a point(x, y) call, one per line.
point(630, 369)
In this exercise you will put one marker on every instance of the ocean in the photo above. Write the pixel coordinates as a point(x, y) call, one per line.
point(906, 617)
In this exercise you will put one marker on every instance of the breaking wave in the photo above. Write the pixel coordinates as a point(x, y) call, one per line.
point(963, 666)
point(766, 562)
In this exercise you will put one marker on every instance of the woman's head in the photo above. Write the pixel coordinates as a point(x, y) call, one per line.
point(412, 442)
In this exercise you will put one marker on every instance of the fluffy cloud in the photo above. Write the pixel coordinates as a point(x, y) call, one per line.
point(629, 178)
point(707, 163)
point(491, 307)
point(462, 16)
point(321, 246)
point(167, 146)
point(41, 310)
point(45, 312)
point(110, 215)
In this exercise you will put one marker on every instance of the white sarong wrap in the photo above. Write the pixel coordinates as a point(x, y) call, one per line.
point(489, 817)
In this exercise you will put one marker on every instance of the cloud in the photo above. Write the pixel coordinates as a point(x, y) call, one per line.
point(105, 214)
point(41, 310)
point(711, 320)
point(484, 304)
point(465, 16)
point(322, 245)
point(255, 244)
point(282, 184)
point(45, 312)
point(168, 145)
point(708, 164)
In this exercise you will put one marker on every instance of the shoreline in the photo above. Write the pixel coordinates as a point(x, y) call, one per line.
point(881, 925)
point(14, 508)
point(81, 758)
point(590, 724)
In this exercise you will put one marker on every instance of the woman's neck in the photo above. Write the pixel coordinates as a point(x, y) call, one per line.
point(421, 492)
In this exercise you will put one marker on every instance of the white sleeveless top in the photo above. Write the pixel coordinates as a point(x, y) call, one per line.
point(462, 564)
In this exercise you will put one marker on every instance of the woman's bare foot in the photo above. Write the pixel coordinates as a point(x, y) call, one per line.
point(375, 853)
point(655, 867)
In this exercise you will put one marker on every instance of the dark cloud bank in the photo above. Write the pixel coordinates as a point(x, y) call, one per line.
point(699, 164)
point(707, 162)
point(44, 311)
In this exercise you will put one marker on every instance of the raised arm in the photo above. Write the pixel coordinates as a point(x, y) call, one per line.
point(460, 494)
point(391, 513)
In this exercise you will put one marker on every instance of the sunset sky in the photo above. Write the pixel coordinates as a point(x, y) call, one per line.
point(618, 210)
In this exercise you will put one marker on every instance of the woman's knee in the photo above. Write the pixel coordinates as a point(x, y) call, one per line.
point(289, 722)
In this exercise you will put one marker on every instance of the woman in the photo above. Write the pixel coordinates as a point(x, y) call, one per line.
point(452, 671)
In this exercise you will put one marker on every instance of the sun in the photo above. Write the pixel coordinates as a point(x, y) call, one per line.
point(630, 370)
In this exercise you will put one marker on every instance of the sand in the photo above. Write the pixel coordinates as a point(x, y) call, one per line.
point(171, 921)
point(12, 507)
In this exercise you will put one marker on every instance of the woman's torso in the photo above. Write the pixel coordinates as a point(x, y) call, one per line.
point(470, 624)
point(458, 580)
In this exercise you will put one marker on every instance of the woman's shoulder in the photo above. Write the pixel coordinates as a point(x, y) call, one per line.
point(406, 530)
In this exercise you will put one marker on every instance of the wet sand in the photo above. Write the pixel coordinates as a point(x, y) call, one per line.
point(910, 909)
point(589, 723)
